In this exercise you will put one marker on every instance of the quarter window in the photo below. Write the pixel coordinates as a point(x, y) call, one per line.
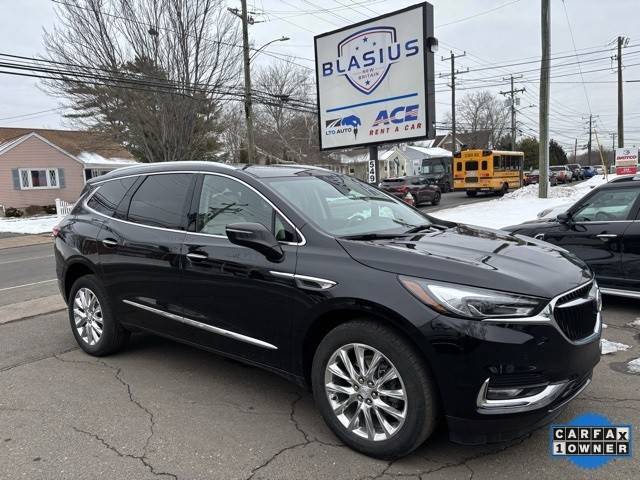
point(109, 195)
point(160, 201)
point(38, 178)
point(607, 205)
point(224, 201)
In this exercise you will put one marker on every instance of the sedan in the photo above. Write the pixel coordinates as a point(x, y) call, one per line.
point(533, 177)
point(413, 189)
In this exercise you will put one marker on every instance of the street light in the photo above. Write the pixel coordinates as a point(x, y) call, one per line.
point(256, 52)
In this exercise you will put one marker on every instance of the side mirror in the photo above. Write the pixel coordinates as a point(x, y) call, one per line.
point(257, 237)
point(564, 217)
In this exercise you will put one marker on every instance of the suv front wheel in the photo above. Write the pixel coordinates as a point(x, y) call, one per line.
point(92, 321)
point(373, 389)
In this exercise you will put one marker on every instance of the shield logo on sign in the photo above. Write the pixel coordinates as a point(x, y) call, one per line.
point(373, 44)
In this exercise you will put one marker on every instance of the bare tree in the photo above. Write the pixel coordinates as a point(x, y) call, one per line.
point(286, 124)
point(482, 111)
point(151, 72)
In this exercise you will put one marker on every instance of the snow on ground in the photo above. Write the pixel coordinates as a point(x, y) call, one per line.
point(607, 347)
point(635, 323)
point(518, 206)
point(32, 225)
point(634, 366)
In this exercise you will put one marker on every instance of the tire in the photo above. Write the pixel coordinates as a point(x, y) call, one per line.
point(503, 191)
point(471, 193)
point(420, 401)
point(436, 198)
point(113, 336)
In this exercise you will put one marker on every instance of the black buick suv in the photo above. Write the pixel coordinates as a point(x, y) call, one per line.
point(395, 320)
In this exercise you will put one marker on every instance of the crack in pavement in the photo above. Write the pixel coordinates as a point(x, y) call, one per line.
point(150, 415)
point(36, 359)
point(307, 439)
point(140, 458)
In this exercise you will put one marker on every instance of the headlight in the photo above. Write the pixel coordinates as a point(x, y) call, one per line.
point(469, 302)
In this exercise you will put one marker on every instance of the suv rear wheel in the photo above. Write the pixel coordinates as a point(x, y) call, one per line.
point(374, 389)
point(92, 321)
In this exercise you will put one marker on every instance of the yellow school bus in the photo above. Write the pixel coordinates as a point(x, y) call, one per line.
point(487, 171)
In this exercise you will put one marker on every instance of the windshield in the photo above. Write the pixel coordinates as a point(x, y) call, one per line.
point(342, 205)
point(556, 169)
point(429, 169)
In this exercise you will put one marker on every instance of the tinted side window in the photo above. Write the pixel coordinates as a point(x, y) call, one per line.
point(160, 200)
point(110, 194)
point(609, 204)
point(484, 164)
point(224, 201)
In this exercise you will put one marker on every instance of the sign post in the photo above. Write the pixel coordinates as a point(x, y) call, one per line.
point(375, 82)
point(626, 161)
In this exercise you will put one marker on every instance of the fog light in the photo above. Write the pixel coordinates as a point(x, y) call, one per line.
point(502, 393)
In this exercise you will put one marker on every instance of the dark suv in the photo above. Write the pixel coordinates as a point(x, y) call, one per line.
point(396, 320)
point(421, 188)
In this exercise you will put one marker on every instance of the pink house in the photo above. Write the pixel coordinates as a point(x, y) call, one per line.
point(38, 166)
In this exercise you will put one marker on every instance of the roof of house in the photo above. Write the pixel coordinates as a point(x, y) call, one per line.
point(477, 139)
point(73, 142)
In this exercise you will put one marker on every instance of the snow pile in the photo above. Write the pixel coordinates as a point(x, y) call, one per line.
point(634, 366)
point(607, 347)
point(518, 206)
point(635, 323)
point(30, 225)
point(90, 158)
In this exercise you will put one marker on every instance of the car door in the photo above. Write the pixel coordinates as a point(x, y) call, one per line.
point(241, 302)
point(140, 251)
point(631, 254)
point(596, 229)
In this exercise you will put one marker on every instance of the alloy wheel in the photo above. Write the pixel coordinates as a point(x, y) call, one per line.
point(87, 315)
point(366, 392)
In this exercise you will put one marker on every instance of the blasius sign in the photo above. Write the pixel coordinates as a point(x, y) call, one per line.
point(375, 80)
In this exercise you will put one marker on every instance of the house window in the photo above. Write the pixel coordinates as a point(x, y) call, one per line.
point(39, 178)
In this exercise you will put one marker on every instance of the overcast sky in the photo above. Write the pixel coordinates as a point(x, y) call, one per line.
point(494, 34)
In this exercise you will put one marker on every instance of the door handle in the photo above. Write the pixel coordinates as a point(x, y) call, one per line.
point(607, 236)
point(110, 243)
point(197, 257)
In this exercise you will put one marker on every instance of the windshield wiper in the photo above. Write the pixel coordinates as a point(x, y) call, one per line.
point(420, 228)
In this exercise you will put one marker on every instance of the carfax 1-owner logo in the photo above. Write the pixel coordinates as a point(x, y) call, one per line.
point(591, 441)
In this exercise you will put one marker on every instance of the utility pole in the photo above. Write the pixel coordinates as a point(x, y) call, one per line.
point(575, 151)
point(248, 113)
point(453, 74)
point(590, 133)
point(543, 119)
point(622, 42)
point(613, 147)
point(513, 92)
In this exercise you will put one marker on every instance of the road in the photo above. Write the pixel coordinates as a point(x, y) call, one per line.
point(26, 273)
point(454, 199)
point(164, 410)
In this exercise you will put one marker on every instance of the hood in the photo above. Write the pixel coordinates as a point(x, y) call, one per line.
point(476, 257)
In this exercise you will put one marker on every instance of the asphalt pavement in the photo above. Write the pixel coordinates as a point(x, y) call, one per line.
point(160, 409)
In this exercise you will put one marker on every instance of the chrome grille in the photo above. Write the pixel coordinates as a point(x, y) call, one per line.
point(576, 313)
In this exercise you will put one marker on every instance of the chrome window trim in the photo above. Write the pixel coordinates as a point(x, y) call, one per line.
point(548, 318)
point(301, 243)
point(203, 326)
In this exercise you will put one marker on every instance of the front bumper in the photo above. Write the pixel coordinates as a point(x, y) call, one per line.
point(476, 360)
point(503, 428)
